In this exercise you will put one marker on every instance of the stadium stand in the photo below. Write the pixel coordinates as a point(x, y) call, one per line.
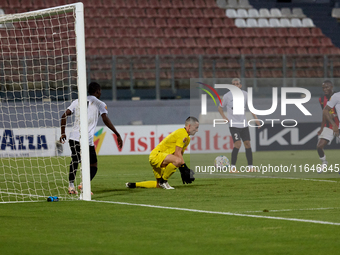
point(140, 29)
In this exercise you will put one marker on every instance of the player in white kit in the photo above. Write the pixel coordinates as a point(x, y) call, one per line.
point(238, 126)
point(95, 108)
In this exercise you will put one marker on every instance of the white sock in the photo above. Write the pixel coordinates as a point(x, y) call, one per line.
point(71, 185)
point(323, 159)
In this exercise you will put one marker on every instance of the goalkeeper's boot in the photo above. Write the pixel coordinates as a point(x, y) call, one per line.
point(130, 185)
point(72, 190)
point(80, 187)
point(165, 185)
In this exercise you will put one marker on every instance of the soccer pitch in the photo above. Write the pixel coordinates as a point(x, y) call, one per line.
point(211, 216)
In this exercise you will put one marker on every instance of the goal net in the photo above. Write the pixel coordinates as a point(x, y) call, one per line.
point(42, 68)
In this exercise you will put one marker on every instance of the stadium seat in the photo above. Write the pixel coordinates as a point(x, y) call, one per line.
point(295, 22)
point(315, 42)
point(227, 32)
point(178, 42)
point(316, 31)
point(307, 22)
point(189, 4)
point(275, 13)
point(281, 42)
point(304, 31)
point(202, 43)
point(260, 32)
point(261, 42)
point(192, 32)
point(245, 51)
point(285, 22)
point(248, 42)
point(253, 13)
point(292, 42)
point(244, 4)
point(264, 13)
point(301, 51)
point(225, 43)
point(204, 32)
point(217, 22)
point(249, 32)
point(190, 42)
point(222, 51)
point(174, 13)
point(231, 13)
point(236, 42)
point(298, 13)
point(161, 22)
point(252, 22)
point(181, 32)
point(274, 22)
point(286, 12)
point(240, 22)
point(268, 42)
point(303, 42)
point(242, 13)
point(150, 13)
point(215, 32)
point(177, 3)
point(263, 22)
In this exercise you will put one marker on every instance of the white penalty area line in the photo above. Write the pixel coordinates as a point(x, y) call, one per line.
point(222, 213)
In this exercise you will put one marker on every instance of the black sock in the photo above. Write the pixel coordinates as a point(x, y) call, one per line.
point(234, 156)
point(93, 172)
point(321, 153)
point(132, 185)
point(249, 155)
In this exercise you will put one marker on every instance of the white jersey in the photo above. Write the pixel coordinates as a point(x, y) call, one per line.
point(335, 102)
point(95, 108)
point(238, 121)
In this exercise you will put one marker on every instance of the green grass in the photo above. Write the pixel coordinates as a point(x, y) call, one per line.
point(78, 227)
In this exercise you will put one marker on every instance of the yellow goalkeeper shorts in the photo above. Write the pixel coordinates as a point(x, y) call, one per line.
point(156, 159)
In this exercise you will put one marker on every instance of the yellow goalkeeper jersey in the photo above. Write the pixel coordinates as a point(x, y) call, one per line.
point(178, 138)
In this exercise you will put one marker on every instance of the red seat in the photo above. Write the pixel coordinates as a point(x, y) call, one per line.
point(213, 43)
point(197, 12)
point(293, 32)
point(199, 51)
point(190, 42)
point(227, 32)
point(277, 73)
point(177, 4)
point(249, 32)
point(151, 22)
point(140, 51)
point(153, 4)
point(164, 51)
point(265, 42)
point(181, 32)
point(186, 13)
point(325, 50)
point(313, 50)
point(169, 32)
point(316, 31)
point(292, 42)
point(189, 4)
point(238, 32)
point(216, 32)
point(211, 51)
point(200, 4)
point(282, 32)
point(245, 51)
point(290, 51)
point(183, 22)
point(204, 32)
point(326, 41)
point(171, 22)
point(174, 13)
point(225, 43)
point(152, 51)
point(202, 42)
point(217, 22)
point(192, 32)
point(163, 13)
point(301, 51)
point(273, 32)
point(303, 42)
point(247, 42)
point(257, 51)
point(151, 13)
point(222, 51)
point(160, 22)
point(236, 42)
point(281, 42)
point(304, 31)
point(314, 41)
point(187, 51)
point(234, 51)
point(178, 42)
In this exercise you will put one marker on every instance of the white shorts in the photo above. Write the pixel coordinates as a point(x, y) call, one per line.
point(327, 134)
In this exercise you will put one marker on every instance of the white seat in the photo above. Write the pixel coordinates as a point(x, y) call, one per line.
point(2, 12)
point(285, 22)
point(286, 13)
point(263, 22)
point(253, 13)
point(275, 13)
point(242, 13)
point(232, 4)
point(244, 4)
point(336, 13)
point(231, 13)
point(222, 4)
point(295, 22)
point(307, 22)
point(273, 22)
point(298, 13)
point(252, 23)
point(264, 13)
point(240, 22)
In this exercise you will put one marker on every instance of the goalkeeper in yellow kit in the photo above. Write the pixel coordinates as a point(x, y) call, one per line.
point(168, 156)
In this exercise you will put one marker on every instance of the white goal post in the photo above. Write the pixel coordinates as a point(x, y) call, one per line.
point(42, 69)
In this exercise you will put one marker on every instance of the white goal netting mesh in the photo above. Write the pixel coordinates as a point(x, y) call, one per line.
point(38, 79)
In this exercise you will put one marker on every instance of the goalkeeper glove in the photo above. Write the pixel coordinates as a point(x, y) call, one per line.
point(187, 174)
